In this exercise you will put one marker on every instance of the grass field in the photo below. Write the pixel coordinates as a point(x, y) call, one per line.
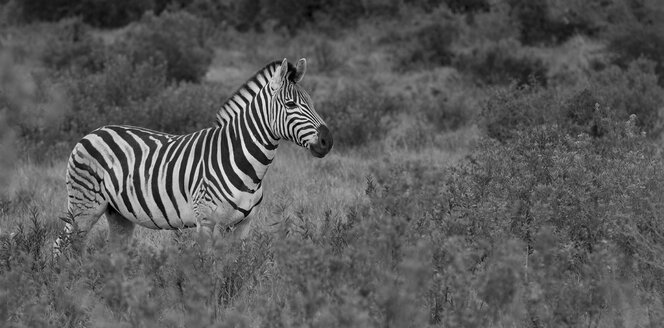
point(487, 169)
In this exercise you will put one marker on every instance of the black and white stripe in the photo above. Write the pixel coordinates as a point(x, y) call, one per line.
point(207, 179)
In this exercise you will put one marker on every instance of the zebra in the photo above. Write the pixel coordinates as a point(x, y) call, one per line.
point(210, 179)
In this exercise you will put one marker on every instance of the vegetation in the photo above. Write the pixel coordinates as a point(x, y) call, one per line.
point(477, 179)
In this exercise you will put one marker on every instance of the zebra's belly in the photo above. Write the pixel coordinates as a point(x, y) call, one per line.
point(160, 212)
point(229, 213)
point(152, 211)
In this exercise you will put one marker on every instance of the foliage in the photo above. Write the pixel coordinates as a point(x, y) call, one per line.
point(633, 90)
point(451, 108)
point(624, 92)
point(515, 108)
point(180, 109)
point(101, 13)
point(542, 22)
point(502, 63)
point(104, 98)
point(178, 40)
point(74, 48)
point(473, 6)
point(138, 94)
point(571, 204)
point(429, 45)
point(358, 115)
point(641, 41)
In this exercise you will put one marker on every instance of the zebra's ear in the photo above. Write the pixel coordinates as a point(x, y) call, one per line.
point(300, 69)
point(279, 75)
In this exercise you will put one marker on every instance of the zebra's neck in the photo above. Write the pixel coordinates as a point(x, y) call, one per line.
point(240, 100)
point(247, 145)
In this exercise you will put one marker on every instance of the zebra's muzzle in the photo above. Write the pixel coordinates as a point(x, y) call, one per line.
point(324, 143)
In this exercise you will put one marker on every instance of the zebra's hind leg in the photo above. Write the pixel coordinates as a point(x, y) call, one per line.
point(120, 229)
point(78, 224)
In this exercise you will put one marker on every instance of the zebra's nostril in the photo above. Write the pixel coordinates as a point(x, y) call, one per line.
point(322, 142)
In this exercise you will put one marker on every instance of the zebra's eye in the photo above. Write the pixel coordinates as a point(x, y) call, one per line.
point(290, 104)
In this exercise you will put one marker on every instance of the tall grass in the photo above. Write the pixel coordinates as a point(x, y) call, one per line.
point(475, 181)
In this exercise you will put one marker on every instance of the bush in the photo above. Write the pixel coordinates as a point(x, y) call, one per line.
point(429, 46)
point(107, 97)
point(501, 63)
point(74, 48)
point(180, 109)
point(357, 115)
point(452, 107)
point(178, 40)
point(540, 24)
point(472, 6)
point(632, 43)
point(633, 90)
point(514, 108)
point(99, 13)
point(565, 202)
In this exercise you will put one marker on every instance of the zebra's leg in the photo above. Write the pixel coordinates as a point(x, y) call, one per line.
point(241, 229)
point(120, 230)
point(207, 231)
point(80, 222)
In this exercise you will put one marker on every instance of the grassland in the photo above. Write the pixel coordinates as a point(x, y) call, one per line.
point(486, 172)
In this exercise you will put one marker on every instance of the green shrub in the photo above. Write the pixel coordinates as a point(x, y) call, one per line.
point(357, 115)
point(178, 40)
point(502, 63)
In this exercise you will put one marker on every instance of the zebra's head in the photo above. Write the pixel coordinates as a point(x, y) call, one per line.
point(293, 115)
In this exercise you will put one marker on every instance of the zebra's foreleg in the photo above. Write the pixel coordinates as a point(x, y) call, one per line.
point(241, 229)
point(207, 231)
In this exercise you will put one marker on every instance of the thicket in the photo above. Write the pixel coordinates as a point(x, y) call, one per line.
point(640, 41)
point(634, 90)
point(549, 229)
point(502, 63)
point(359, 114)
point(145, 79)
point(177, 40)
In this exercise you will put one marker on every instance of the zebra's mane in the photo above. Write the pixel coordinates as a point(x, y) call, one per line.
point(241, 98)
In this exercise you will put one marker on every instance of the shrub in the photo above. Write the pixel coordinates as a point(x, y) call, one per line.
point(633, 90)
point(430, 45)
point(538, 24)
point(564, 200)
point(106, 97)
point(472, 6)
point(180, 109)
point(100, 13)
point(178, 40)
point(448, 109)
point(501, 63)
point(640, 41)
point(514, 108)
point(357, 115)
point(74, 48)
